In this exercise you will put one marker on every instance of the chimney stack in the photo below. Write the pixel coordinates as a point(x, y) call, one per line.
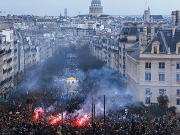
point(177, 17)
point(173, 30)
point(173, 18)
point(152, 32)
point(144, 40)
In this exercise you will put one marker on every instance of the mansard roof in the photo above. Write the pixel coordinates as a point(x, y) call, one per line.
point(134, 30)
point(166, 40)
point(129, 30)
point(135, 54)
point(156, 17)
point(133, 47)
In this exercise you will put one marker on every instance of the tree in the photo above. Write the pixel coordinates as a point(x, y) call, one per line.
point(163, 101)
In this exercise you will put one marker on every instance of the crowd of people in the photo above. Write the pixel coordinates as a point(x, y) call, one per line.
point(20, 123)
point(18, 118)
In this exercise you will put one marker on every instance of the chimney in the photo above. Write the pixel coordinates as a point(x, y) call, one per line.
point(169, 50)
point(173, 30)
point(173, 18)
point(144, 39)
point(140, 38)
point(177, 17)
point(152, 32)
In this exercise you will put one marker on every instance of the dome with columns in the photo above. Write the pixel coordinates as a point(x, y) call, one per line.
point(96, 2)
point(96, 9)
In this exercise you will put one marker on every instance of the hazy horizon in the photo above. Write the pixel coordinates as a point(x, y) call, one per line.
point(115, 7)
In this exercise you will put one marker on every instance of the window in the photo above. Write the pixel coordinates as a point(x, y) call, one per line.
point(155, 49)
point(161, 77)
point(178, 50)
point(148, 91)
point(147, 65)
point(178, 66)
point(147, 100)
point(162, 91)
point(178, 93)
point(148, 76)
point(161, 65)
point(178, 77)
point(178, 101)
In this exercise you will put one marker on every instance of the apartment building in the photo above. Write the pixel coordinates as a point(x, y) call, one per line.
point(8, 68)
point(106, 49)
point(153, 68)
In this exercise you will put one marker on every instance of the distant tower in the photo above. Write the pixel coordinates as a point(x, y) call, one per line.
point(147, 15)
point(175, 18)
point(96, 8)
point(65, 12)
point(60, 18)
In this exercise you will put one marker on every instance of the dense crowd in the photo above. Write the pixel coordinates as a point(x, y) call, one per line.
point(19, 123)
point(18, 120)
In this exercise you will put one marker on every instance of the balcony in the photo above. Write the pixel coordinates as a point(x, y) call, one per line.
point(9, 60)
point(8, 70)
point(6, 80)
point(8, 51)
point(4, 71)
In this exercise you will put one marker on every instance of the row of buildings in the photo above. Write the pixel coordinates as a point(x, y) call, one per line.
point(148, 56)
point(19, 51)
point(144, 50)
point(27, 41)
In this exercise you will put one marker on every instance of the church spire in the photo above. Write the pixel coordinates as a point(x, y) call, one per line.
point(60, 17)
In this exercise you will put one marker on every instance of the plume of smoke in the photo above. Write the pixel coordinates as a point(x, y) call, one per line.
point(50, 109)
point(104, 83)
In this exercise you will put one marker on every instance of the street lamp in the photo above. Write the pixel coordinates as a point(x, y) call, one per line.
point(126, 112)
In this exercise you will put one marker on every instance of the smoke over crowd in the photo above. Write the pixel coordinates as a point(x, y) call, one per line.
point(44, 104)
point(46, 83)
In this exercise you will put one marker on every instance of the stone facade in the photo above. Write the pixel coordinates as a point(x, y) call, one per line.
point(8, 66)
point(153, 69)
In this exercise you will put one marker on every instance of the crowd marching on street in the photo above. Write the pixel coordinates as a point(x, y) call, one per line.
point(20, 123)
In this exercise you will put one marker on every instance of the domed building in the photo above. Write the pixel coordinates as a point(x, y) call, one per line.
point(72, 84)
point(96, 8)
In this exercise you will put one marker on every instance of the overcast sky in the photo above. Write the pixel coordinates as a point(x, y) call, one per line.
point(112, 7)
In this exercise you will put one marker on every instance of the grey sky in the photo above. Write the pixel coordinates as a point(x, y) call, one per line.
point(112, 7)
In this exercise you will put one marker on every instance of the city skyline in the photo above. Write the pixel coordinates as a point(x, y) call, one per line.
point(54, 7)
